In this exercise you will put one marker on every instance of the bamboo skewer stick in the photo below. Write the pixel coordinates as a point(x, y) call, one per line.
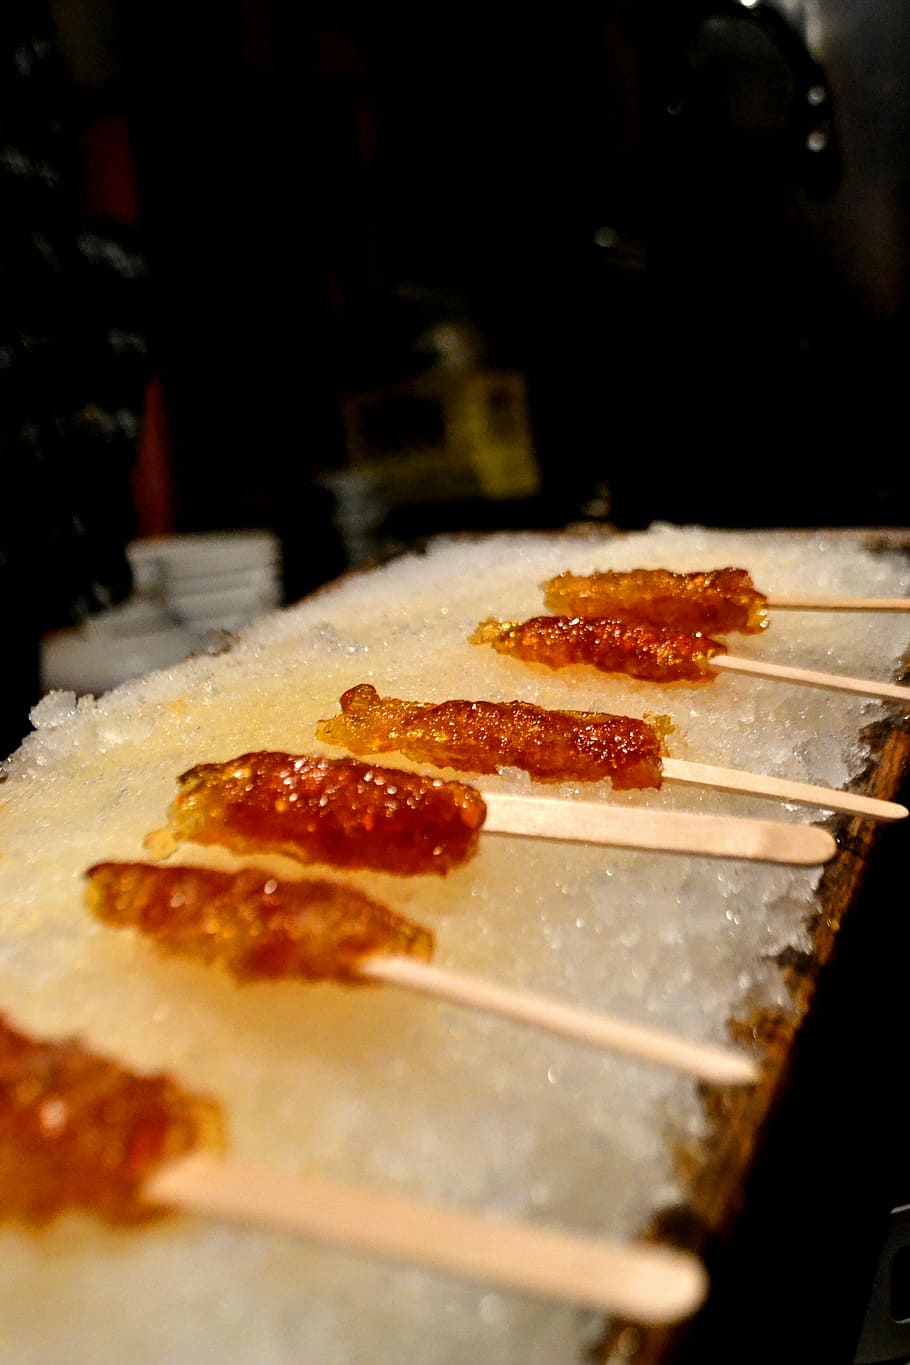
point(810, 677)
point(647, 1284)
point(723, 1066)
point(792, 603)
point(781, 788)
point(718, 836)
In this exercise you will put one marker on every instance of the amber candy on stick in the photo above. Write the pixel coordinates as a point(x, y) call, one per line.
point(714, 600)
point(80, 1132)
point(652, 653)
point(330, 810)
point(485, 736)
point(251, 923)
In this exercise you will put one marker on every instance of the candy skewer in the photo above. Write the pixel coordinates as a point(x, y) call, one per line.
point(262, 928)
point(130, 1147)
point(477, 737)
point(651, 1284)
point(352, 815)
point(650, 653)
point(714, 601)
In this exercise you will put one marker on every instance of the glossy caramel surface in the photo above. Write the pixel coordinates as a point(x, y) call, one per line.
point(336, 811)
point(251, 923)
point(713, 600)
point(486, 736)
point(652, 653)
point(79, 1131)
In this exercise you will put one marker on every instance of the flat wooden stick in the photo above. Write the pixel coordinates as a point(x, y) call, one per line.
point(719, 836)
point(788, 603)
point(644, 1283)
point(781, 788)
point(786, 673)
point(724, 1066)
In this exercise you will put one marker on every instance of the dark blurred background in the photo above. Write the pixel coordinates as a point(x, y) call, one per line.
point(679, 228)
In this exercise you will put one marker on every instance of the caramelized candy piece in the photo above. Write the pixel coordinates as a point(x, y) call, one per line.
point(77, 1131)
point(654, 653)
point(484, 736)
point(329, 810)
point(252, 924)
point(717, 600)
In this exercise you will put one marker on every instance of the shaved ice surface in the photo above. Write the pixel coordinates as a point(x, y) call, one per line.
point(399, 1091)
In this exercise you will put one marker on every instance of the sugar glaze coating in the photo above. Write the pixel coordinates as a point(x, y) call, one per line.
point(256, 926)
point(486, 736)
point(652, 653)
point(79, 1132)
point(330, 810)
point(713, 601)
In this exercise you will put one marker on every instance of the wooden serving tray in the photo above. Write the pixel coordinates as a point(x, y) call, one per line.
point(789, 1201)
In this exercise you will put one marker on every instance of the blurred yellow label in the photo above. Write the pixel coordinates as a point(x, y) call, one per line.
point(444, 436)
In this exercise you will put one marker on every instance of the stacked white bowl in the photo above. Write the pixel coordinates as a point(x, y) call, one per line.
point(112, 646)
point(214, 580)
point(187, 590)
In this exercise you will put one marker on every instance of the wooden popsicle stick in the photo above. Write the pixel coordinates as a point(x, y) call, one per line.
point(788, 603)
point(724, 1066)
point(650, 1284)
point(787, 673)
point(720, 836)
point(802, 793)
